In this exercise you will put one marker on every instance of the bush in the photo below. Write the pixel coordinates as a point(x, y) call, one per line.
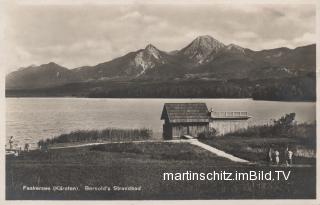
point(283, 127)
point(212, 133)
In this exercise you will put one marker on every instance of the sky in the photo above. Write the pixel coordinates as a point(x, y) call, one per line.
point(75, 35)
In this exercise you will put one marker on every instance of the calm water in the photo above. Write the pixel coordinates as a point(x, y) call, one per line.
point(31, 119)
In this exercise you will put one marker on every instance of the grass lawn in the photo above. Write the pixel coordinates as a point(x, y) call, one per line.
point(143, 164)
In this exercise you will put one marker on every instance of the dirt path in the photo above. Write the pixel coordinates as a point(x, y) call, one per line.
point(101, 143)
point(216, 151)
point(195, 142)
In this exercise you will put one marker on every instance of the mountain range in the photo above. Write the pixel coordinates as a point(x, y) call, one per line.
point(205, 58)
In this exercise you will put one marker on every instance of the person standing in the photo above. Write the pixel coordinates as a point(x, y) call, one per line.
point(286, 156)
point(270, 154)
point(26, 147)
point(277, 157)
point(11, 142)
point(290, 155)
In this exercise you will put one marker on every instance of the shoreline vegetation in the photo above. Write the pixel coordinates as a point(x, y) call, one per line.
point(251, 143)
point(254, 142)
point(71, 96)
point(105, 135)
point(300, 89)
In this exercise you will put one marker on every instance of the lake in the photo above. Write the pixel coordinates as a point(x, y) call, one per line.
point(32, 119)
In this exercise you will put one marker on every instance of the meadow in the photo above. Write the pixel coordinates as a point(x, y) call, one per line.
point(143, 164)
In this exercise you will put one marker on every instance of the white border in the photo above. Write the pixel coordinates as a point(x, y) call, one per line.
point(202, 202)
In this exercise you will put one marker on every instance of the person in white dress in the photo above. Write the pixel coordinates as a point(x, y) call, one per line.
point(290, 155)
point(270, 155)
point(11, 142)
point(277, 159)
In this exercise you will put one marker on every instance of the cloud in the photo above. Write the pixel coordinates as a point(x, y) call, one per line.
point(306, 38)
point(247, 35)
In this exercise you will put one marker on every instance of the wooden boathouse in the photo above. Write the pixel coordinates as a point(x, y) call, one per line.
point(184, 119)
point(195, 118)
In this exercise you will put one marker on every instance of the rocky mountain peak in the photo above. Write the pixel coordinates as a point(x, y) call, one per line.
point(148, 58)
point(206, 39)
point(150, 46)
point(201, 47)
point(153, 51)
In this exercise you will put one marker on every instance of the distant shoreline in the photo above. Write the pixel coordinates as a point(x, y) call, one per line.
point(124, 98)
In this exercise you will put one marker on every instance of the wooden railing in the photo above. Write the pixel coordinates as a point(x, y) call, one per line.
point(229, 114)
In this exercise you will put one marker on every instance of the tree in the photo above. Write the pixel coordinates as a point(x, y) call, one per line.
point(283, 125)
point(285, 121)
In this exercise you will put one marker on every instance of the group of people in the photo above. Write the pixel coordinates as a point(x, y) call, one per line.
point(11, 143)
point(274, 156)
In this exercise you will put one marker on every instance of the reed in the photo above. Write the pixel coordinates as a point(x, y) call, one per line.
point(108, 134)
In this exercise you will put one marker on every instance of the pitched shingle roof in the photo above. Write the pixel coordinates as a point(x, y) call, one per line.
point(185, 112)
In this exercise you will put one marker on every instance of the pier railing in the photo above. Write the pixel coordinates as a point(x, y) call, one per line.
point(229, 114)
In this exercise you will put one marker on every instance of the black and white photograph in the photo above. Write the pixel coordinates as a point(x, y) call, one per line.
point(159, 100)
